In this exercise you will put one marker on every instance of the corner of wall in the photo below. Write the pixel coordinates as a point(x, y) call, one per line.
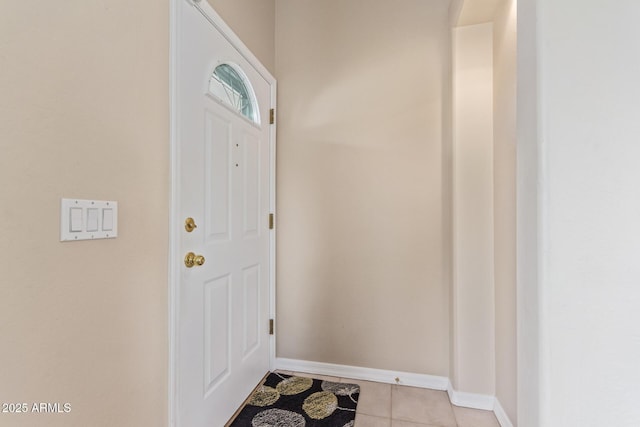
point(473, 330)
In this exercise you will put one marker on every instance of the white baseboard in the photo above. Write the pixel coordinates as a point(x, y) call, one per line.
point(471, 400)
point(501, 415)
point(358, 373)
point(458, 398)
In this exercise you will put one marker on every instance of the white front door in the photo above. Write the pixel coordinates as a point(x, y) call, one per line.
point(223, 178)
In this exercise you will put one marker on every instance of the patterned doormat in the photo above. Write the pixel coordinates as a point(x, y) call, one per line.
point(290, 401)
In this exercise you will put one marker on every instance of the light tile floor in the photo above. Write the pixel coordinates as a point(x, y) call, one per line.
point(387, 405)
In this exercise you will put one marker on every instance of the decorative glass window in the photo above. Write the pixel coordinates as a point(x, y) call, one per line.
point(227, 85)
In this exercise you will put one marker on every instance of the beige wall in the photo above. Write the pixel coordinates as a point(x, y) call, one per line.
point(504, 199)
point(254, 22)
point(473, 368)
point(364, 195)
point(84, 113)
point(360, 228)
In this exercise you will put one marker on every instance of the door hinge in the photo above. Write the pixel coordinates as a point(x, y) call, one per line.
point(272, 116)
point(271, 221)
point(271, 326)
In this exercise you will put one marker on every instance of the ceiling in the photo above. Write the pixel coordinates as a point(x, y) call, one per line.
point(476, 11)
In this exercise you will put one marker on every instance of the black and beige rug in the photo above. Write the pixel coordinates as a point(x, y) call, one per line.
point(290, 401)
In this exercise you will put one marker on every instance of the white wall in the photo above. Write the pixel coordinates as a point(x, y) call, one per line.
point(473, 368)
point(528, 170)
point(587, 99)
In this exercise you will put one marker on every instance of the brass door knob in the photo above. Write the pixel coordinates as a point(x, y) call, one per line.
point(192, 259)
point(190, 225)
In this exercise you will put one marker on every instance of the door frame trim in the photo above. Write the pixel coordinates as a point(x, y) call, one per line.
point(175, 259)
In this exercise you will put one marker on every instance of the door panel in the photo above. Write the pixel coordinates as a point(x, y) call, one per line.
point(217, 331)
point(224, 184)
point(218, 157)
point(252, 186)
point(251, 284)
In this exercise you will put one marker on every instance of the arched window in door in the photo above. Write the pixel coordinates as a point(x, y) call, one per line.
point(228, 85)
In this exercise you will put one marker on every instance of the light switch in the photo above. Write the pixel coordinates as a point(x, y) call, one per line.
point(92, 219)
point(107, 219)
point(75, 220)
point(88, 220)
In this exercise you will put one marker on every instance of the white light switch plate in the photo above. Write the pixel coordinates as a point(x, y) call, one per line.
point(88, 219)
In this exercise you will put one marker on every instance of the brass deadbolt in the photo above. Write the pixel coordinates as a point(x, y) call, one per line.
point(190, 225)
point(192, 259)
